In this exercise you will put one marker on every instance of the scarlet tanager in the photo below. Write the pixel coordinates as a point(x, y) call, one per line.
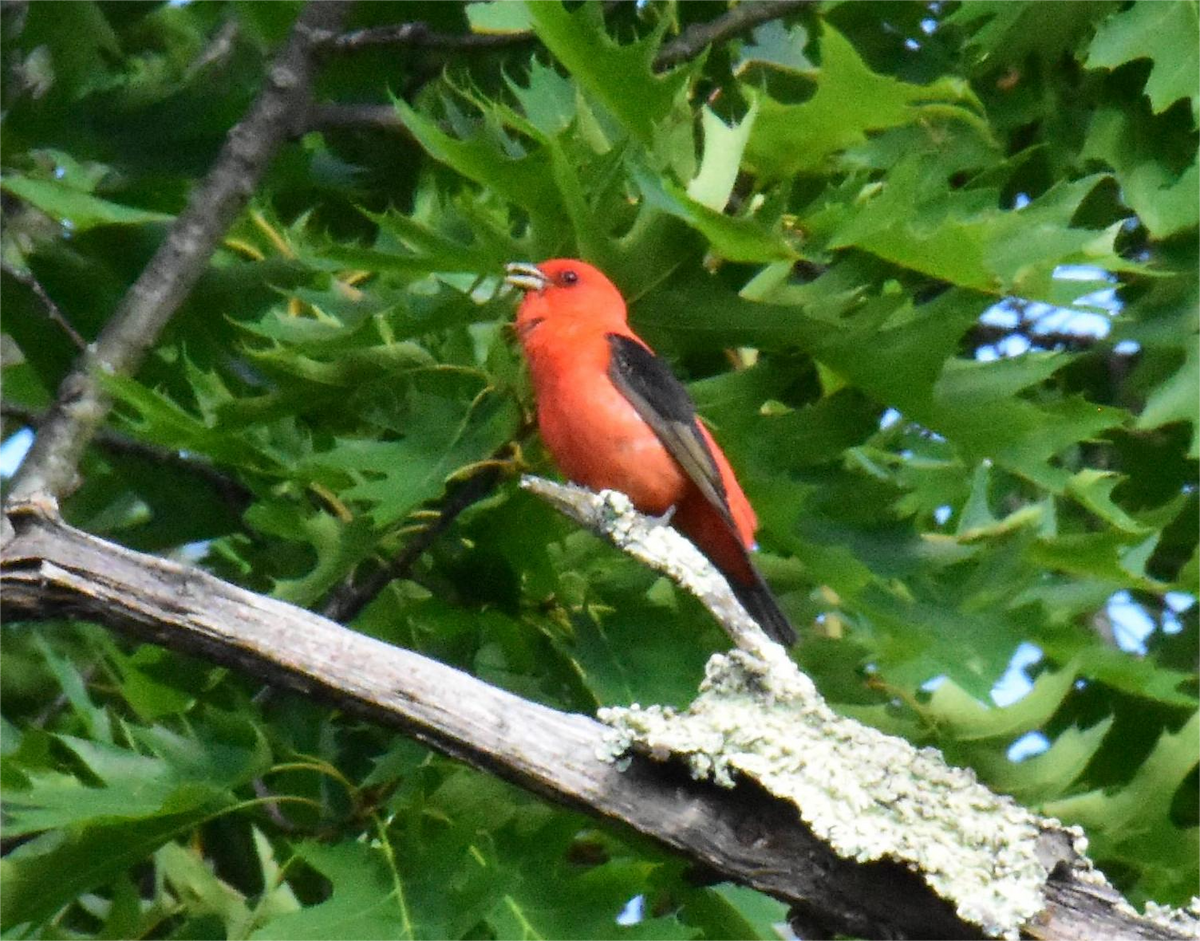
point(614, 417)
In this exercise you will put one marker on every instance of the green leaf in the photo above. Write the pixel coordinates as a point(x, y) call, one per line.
point(743, 239)
point(498, 17)
point(1163, 32)
point(641, 101)
point(366, 898)
point(779, 46)
point(444, 436)
point(1164, 198)
point(517, 179)
point(1175, 399)
point(42, 876)
point(850, 101)
point(963, 718)
point(82, 210)
point(1051, 773)
point(723, 147)
point(181, 775)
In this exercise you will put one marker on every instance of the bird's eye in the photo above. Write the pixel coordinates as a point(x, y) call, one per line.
point(568, 277)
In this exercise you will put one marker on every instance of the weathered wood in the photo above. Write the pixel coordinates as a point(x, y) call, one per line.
point(48, 569)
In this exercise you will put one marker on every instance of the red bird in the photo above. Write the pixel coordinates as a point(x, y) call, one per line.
point(614, 417)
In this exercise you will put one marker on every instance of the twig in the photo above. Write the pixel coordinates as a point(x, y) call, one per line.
point(81, 403)
point(611, 515)
point(218, 49)
point(348, 599)
point(687, 44)
point(333, 116)
point(421, 36)
point(52, 309)
point(48, 569)
point(744, 16)
point(232, 491)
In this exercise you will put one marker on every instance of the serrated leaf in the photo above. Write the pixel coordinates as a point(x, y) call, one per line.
point(365, 900)
point(498, 17)
point(1164, 199)
point(964, 718)
point(1164, 32)
point(850, 101)
point(1175, 399)
point(723, 147)
point(42, 876)
point(1051, 773)
point(445, 435)
point(743, 239)
point(641, 101)
point(82, 210)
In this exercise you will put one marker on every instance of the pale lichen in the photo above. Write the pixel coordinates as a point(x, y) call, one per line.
point(1185, 921)
point(610, 513)
point(867, 794)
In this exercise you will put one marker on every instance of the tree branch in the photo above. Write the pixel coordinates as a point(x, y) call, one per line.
point(48, 569)
point(52, 309)
point(236, 495)
point(741, 18)
point(420, 36)
point(348, 599)
point(81, 404)
point(685, 46)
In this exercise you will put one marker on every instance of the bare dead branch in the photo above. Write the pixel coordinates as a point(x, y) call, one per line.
point(81, 403)
point(48, 569)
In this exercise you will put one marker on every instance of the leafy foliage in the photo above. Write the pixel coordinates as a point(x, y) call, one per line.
point(930, 271)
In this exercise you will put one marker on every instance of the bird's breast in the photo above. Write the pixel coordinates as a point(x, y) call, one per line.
point(598, 439)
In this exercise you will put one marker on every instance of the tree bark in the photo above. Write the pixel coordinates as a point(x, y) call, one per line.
point(48, 569)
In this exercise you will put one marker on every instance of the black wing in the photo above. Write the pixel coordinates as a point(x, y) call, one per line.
point(662, 401)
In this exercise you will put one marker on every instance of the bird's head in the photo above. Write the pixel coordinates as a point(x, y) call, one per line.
point(566, 292)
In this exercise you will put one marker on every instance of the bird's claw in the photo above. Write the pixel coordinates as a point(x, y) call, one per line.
point(664, 518)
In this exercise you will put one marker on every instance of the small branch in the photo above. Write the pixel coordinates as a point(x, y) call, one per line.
point(219, 48)
point(347, 600)
point(52, 309)
point(81, 403)
point(685, 46)
point(232, 491)
point(48, 569)
point(611, 515)
point(743, 17)
point(420, 36)
point(334, 116)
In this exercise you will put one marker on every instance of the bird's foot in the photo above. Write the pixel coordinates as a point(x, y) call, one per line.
point(664, 519)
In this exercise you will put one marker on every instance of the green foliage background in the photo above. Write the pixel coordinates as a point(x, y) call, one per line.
point(930, 270)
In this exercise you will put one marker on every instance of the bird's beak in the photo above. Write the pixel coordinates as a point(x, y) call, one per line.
point(527, 277)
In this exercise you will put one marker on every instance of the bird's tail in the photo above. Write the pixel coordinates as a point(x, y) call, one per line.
point(761, 605)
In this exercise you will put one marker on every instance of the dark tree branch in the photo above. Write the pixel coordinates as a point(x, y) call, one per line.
point(685, 46)
point(232, 491)
point(329, 117)
point(348, 599)
point(420, 36)
point(743, 17)
point(48, 569)
point(52, 309)
point(81, 404)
